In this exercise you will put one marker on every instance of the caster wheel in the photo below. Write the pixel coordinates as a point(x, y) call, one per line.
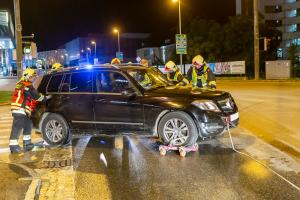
point(196, 146)
point(162, 151)
point(182, 153)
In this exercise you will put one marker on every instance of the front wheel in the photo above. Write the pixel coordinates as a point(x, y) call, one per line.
point(55, 130)
point(178, 129)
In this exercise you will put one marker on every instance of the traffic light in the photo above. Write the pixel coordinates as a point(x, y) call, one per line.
point(267, 43)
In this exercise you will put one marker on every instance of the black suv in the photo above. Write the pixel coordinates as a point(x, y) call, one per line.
point(129, 99)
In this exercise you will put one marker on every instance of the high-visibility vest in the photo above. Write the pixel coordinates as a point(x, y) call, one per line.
point(19, 102)
point(175, 78)
point(202, 77)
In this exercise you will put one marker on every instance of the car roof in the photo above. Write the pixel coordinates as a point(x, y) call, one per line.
point(104, 66)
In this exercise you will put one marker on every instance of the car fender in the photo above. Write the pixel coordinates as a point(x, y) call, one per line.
point(155, 128)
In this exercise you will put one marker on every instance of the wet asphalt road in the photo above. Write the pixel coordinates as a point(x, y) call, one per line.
point(135, 170)
point(130, 167)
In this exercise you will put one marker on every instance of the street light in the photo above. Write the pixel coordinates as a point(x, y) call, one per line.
point(95, 43)
point(87, 54)
point(179, 10)
point(118, 32)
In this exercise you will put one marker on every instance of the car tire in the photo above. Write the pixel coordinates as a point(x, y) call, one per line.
point(55, 130)
point(184, 133)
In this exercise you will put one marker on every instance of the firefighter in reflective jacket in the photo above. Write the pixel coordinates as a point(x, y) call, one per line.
point(174, 74)
point(56, 66)
point(23, 101)
point(200, 75)
point(115, 61)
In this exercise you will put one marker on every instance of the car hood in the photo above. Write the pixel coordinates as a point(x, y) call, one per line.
point(186, 92)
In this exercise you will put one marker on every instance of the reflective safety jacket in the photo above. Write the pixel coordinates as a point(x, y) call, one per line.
point(146, 80)
point(177, 77)
point(202, 77)
point(24, 98)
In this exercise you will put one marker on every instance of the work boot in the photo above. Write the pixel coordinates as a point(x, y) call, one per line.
point(15, 148)
point(27, 145)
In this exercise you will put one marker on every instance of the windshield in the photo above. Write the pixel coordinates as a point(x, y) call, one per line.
point(149, 78)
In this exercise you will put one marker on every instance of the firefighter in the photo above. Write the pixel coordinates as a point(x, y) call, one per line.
point(143, 79)
point(200, 74)
point(56, 67)
point(23, 101)
point(174, 74)
point(115, 61)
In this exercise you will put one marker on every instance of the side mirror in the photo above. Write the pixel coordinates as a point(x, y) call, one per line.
point(129, 92)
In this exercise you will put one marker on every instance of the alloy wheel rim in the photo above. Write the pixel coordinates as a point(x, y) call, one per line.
point(176, 131)
point(54, 131)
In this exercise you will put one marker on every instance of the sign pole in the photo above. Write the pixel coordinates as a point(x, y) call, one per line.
point(18, 33)
point(180, 32)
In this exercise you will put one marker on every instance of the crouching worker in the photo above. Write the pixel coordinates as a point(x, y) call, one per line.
point(174, 74)
point(23, 100)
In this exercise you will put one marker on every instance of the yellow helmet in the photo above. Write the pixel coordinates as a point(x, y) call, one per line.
point(198, 60)
point(115, 61)
point(144, 62)
point(56, 66)
point(170, 66)
point(27, 73)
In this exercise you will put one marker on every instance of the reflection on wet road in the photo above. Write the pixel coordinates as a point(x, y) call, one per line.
point(135, 170)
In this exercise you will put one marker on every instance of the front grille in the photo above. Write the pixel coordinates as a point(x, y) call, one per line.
point(227, 105)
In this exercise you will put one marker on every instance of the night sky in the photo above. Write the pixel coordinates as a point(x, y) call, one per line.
point(55, 22)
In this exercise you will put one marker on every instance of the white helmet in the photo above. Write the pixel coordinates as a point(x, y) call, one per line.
point(170, 66)
point(198, 60)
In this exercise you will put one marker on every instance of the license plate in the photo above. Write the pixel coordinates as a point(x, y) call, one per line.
point(234, 117)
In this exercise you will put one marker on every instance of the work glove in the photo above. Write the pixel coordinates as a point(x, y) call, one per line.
point(49, 97)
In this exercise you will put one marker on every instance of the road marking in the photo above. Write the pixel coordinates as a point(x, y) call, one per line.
point(4, 150)
point(4, 136)
point(6, 117)
point(79, 150)
point(119, 142)
point(6, 122)
point(56, 187)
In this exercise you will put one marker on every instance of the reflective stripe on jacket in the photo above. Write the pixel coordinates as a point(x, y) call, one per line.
point(24, 97)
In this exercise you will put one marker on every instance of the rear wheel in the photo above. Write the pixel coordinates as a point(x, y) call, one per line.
point(55, 130)
point(178, 129)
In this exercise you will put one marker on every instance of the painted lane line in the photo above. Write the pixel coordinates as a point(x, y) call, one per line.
point(4, 150)
point(79, 150)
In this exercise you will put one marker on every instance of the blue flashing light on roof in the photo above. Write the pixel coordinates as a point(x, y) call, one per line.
point(89, 66)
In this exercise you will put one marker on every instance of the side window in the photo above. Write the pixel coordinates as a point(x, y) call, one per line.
point(110, 82)
point(65, 87)
point(43, 85)
point(54, 83)
point(81, 82)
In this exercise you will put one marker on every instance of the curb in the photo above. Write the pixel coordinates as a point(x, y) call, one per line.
point(34, 188)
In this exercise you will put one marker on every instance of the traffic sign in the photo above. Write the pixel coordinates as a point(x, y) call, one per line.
point(120, 55)
point(181, 44)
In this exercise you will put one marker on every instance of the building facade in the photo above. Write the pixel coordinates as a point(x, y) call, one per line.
point(7, 45)
point(82, 51)
point(48, 58)
point(283, 15)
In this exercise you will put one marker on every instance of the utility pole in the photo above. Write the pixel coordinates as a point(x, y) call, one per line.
point(180, 31)
point(18, 33)
point(256, 39)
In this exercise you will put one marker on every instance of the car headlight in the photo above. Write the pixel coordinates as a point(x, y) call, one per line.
point(206, 105)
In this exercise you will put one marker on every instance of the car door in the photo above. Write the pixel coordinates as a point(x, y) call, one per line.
point(114, 111)
point(77, 98)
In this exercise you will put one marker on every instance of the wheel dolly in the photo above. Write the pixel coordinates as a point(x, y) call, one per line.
point(183, 150)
